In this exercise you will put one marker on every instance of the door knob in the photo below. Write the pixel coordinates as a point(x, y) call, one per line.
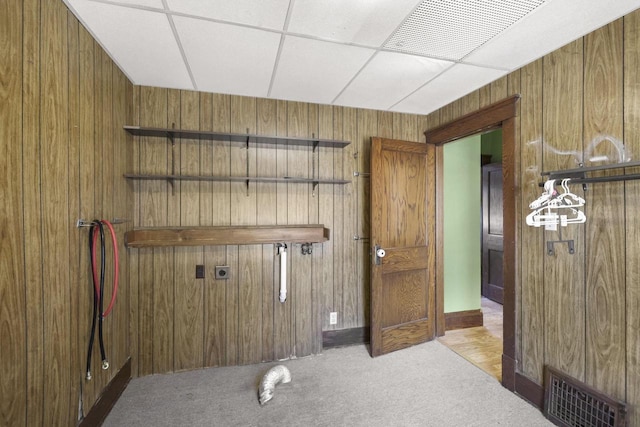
point(378, 253)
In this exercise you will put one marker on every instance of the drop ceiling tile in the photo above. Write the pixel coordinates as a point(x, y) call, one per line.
point(548, 28)
point(226, 58)
point(367, 22)
point(388, 78)
point(140, 42)
point(264, 14)
point(453, 28)
point(456, 82)
point(316, 71)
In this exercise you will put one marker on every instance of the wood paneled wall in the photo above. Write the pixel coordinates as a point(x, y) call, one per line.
point(63, 103)
point(180, 322)
point(579, 313)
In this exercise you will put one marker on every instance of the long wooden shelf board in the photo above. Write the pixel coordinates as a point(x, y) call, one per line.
point(234, 137)
point(237, 178)
point(223, 235)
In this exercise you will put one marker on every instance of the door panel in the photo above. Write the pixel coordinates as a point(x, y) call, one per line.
point(492, 239)
point(405, 297)
point(402, 215)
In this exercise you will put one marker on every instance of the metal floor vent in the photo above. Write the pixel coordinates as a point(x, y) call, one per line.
point(451, 29)
point(569, 402)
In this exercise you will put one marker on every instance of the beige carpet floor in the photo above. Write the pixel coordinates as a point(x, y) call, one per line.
point(426, 385)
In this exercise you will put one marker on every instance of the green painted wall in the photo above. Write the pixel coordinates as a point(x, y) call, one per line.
point(492, 144)
point(462, 224)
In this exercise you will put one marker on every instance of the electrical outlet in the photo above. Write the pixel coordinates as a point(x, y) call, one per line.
point(333, 318)
point(222, 272)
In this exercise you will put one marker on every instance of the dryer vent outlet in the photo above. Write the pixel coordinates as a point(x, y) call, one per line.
point(223, 271)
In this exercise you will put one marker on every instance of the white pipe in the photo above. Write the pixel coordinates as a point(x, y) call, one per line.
point(282, 250)
point(275, 375)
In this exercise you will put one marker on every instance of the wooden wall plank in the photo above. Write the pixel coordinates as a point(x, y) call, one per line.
point(76, 376)
point(267, 200)
point(513, 89)
point(499, 89)
point(450, 112)
point(215, 293)
point(123, 202)
point(206, 198)
point(153, 208)
point(367, 127)
point(338, 234)
point(312, 132)
point(282, 164)
point(405, 126)
point(188, 294)
point(206, 202)
point(470, 103)
point(163, 278)
point(87, 196)
point(298, 197)
point(243, 200)
point(315, 270)
point(423, 125)
point(221, 213)
point(326, 200)
point(31, 164)
point(249, 274)
point(13, 334)
point(385, 124)
point(350, 287)
point(105, 187)
point(632, 222)
point(316, 261)
point(323, 254)
point(484, 96)
point(55, 205)
point(121, 209)
point(98, 95)
point(132, 254)
point(564, 278)
point(605, 229)
point(215, 309)
point(243, 212)
point(247, 258)
point(532, 260)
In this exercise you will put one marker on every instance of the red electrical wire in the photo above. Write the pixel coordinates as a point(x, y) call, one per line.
point(114, 242)
point(116, 264)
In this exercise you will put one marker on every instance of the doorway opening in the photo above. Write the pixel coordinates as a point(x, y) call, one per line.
point(502, 115)
point(473, 250)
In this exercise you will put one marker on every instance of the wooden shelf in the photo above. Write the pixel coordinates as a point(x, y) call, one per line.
point(223, 235)
point(244, 138)
point(237, 179)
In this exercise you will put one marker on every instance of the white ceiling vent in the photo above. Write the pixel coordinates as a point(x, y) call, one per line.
point(451, 29)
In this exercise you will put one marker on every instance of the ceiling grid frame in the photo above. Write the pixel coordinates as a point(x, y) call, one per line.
point(349, 46)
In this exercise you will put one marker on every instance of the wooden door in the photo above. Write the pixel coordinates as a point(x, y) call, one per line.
point(402, 224)
point(492, 252)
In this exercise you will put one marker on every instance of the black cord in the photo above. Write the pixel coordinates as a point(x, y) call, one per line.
point(95, 301)
point(100, 317)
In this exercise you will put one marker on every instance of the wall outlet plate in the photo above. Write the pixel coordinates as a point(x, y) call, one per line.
point(333, 318)
point(199, 271)
point(223, 271)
